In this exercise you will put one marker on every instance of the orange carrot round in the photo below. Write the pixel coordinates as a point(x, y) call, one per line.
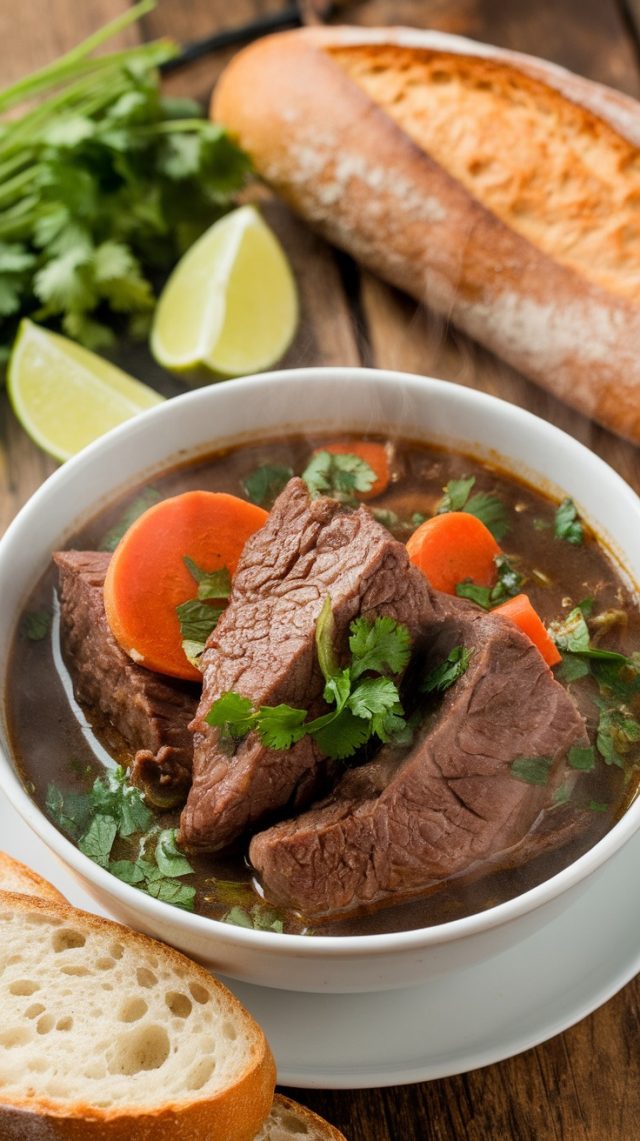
point(453, 548)
point(148, 578)
point(520, 611)
point(375, 455)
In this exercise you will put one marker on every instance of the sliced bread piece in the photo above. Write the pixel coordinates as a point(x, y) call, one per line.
point(15, 876)
point(108, 1034)
point(289, 1121)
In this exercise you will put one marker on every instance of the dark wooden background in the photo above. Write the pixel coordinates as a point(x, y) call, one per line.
point(583, 1085)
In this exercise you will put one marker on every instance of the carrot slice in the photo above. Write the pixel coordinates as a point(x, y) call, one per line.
point(147, 576)
point(453, 548)
point(520, 611)
point(375, 455)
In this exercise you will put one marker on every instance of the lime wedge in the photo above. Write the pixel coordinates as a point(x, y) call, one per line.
point(230, 305)
point(65, 396)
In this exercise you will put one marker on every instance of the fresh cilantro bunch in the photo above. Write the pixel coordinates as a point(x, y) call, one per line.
point(364, 693)
point(104, 182)
point(114, 811)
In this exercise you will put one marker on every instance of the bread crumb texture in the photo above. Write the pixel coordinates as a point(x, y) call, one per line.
point(89, 1018)
point(507, 138)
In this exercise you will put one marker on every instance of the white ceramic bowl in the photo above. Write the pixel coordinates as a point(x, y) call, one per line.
point(314, 400)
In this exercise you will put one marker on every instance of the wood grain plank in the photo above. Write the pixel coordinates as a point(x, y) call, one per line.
point(31, 37)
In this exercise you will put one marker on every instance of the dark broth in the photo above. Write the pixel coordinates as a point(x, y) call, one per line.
point(56, 744)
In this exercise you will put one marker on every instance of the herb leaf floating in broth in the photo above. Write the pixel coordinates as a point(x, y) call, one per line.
point(265, 483)
point(488, 508)
point(112, 812)
point(455, 664)
point(364, 706)
point(567, 525)
point(532, 770)
point(340, 476)
point(146, 499)
point(508, 585)
point(35, 625)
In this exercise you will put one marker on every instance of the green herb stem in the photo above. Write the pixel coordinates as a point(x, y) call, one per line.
point(53, 73)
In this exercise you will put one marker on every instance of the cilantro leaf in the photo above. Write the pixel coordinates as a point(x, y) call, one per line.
point(567, 525)
point(197, 620)
point(488, 508)
point(508, 584)
point(381, 646)
point(211, 584)
point(265, 483)
point(339, 475)
point(233, 714)
point(280, 726)
point(582, 758)
point(170, 860)
point(97, 841)
point(532, 770)
point(453, 667)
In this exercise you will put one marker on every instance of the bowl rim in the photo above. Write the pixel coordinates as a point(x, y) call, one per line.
point(334, 947)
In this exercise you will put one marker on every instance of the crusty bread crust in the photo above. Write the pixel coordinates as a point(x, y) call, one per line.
point(289, 1121)
point(235, 1110)
point(344, 162)
point(17, 877)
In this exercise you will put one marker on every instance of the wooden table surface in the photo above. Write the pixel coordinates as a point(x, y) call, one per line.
point(584, 1083)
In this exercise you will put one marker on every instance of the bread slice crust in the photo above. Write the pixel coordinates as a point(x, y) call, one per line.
point(17, 877)
point(344, 161)
point(234, 1108)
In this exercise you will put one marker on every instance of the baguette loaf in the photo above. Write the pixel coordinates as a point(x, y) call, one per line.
point(17, 877)
point(107, 1034)
point(500, 190)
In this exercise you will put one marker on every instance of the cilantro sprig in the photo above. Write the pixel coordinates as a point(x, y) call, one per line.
point(507, 585)
point(364, 695)
point(104, 182)
point(488, 508)
point(114, 811)
point(340, 475)
point(566, 524)
point(199, 616)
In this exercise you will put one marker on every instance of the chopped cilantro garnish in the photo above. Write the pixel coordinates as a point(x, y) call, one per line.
point(198, 616)
point(455, 664)
point(340, 475)
point(258, 917)
point(582, 757)
point(532, 770)
point(488, 508)
point(113, 811)
point(364, 706)
point(567, 525)
point(265, 483)
point(508, 584)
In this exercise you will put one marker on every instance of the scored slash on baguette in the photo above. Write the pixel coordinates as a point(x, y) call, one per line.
point(500, 190)
point(107, 1034)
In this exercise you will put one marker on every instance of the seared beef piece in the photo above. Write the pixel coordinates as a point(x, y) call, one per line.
point(151, 713)
point(398, 827)
point(264, 648)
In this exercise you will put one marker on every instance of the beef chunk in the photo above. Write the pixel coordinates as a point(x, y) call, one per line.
point(264, 648)
point(149, 712)
point(398, 827)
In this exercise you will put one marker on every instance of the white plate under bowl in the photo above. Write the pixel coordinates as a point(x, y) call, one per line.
point(457, 1022)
